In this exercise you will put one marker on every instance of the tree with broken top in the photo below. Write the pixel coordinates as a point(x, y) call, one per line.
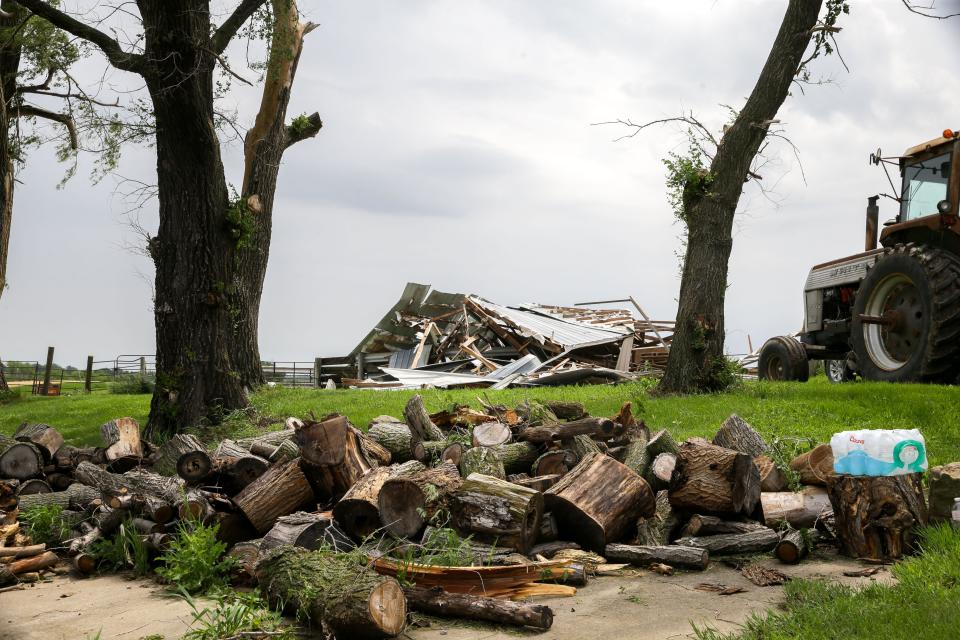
point(211, 248)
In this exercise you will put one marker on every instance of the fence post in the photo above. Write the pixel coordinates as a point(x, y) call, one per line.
point(143, 367)
point(47, 370)
point(317, 366)
point(88, 378)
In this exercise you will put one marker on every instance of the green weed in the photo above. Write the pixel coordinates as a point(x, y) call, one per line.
point(195, 562)
point(235, 615)
point(45, 524)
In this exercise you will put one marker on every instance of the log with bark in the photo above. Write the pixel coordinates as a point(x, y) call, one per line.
point(10, 571)
point(194, 505)
point(518, 456)
point(358, 511)
point(376, 454)
point(333, 590)
point(76, 497)
point(704, 525)
point(345, 468)
point(323, 443)
point(550, 549)
point(19, 460)
point(168, 455)
point(600, 428)
point(395, 437)
point(438, 602)
point(636, 456)
point(281, 490)
point(490, 434)
point(45, 437)
point(714, 479)
point(598, 501)
point(246, 554)
point(33, 486)
point(553, 462)
point(878, 517)
point(657, 529)
point(307, 530)
point(137, 481)
point(286, 450)
point(234, 467)
point(493, 510)
point(121, 439)
point(483, 460)
point(801, 510)
point(272, 438)
point(688, 557)
point(760, 540)
point(59, 481)
point(407, 504)
point(567, 410)
point(736, 434)
point(772, 477)
point(417, 418)
point(815, 466)
point(580, 446)
point(429, 452)
point(792, 547)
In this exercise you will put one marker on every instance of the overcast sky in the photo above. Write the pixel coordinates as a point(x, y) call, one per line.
point(458, 151)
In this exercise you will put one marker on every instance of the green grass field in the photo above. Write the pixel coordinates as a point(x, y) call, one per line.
point(926, 602)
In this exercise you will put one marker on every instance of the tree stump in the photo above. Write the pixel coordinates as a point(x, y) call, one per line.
point(877, 517)
point(334, 590)
point(645, 555)
point(441, 603)
point(482, 460)
point(815, 466)
point(496, 511)
point(43, 436)
point(736, 434)
point(490, 434)
point(598, 501)
point(801, 510)
point(407, 504)
point(170, 451)
point(358, 511)
point(518, 456)
point(19, 460)
point(417, 418)
point(395, 437)
point(281, 490)
point(121, 439)
point(714, 479)
point(306, 530)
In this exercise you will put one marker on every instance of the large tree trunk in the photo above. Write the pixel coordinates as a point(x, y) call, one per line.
point(10, 48)
point(263, 152)
point(195, 250)
point(696, 353)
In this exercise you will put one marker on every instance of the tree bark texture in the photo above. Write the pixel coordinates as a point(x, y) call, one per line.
point(395, 437)
point(482, 460)
point(358, 511)
point(714, 479)
point(761, 540)
point(696, 352)
point(657, 529)
point(407, 504)
point(735, 433)
point(306, 530)
point(438, 602)
point(276, 493)
point(43, 436)
point(801, 509)
point(496, 511)
point(673, 555)
point(10, 51)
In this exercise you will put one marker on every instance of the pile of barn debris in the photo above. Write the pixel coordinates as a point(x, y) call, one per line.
point(436, 339)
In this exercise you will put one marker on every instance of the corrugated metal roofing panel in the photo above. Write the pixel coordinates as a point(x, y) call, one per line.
point(545, 328)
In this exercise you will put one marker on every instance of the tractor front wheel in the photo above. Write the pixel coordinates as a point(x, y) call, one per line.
point(783, 358)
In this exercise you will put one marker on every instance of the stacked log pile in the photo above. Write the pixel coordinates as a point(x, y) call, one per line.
point(531, 504)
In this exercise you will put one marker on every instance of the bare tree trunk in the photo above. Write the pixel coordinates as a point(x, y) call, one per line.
point(10, 49)
point(263, 150)
point(696, 361)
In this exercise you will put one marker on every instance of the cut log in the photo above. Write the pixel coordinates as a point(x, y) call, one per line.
point(407, 504)
point(281, 490)
point(736, 434)
point(498, 512)
point(550, 549)
point(136, 481)
point(878, 517)
point(333, 590)
point(801, 510)
point(598, 501)
point(22, 552)
point(9, 571)
point(657, 530)
point(77, 496)
point(580, 446)
point(19, 460)
point(597, 427)
point(482, 460)
point(636, 456)
point(944, 484)
point(168, 455)
point(395, 437)
point(233, 528)
point(193, 505)
point(45, 437)
point(676, 556)
point(323, 443)
point(417, 418)
point(108, 520)
point(234, 467)
point(701, 525)
point(432, 452)
point(490, 434)
point(759, 541)
point(376, 454)
point(714, 479)
point(551, 463)
point(307, 530)
point(146, 527)
point(771, 477)
point(358, 512)
point(470, 552)
point(815, 466)
point(538, 483)
point(335, 479)
point(567, 410)
point(33, 486)
point(792, 547)
point(272, 438)
point(518, 456)
point(246, 554)
point(661, 442)
point(438, 602)
point(660, 471)
point(194, 466)
point(286, 450)
point(453, 453)
point(121, 439)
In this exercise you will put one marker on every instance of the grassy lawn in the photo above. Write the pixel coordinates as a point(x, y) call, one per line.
point(814, 410)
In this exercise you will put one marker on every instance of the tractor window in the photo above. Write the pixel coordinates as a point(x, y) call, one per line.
point(924, 185)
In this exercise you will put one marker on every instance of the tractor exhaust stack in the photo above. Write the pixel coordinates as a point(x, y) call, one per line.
point(873, 216)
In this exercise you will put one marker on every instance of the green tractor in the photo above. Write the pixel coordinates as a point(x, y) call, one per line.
point(891, 313)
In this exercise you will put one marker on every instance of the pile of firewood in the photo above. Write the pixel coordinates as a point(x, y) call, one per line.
point(542, 496)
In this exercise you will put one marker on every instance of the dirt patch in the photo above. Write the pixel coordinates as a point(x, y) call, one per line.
point(640, 605)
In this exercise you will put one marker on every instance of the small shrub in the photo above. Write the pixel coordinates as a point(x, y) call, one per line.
point(195, 562)
point(235, 615)
point(8, 396)
point(124, 550)
point(45, 524)
point(132, 385)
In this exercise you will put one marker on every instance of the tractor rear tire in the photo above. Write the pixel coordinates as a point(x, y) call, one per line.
point(784, 359)
point(916, 290)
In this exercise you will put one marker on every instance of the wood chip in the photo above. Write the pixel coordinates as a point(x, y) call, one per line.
point(722, 589)
point(763, 576)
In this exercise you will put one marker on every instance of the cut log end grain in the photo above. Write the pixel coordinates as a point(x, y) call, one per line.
point(121, 438)
point(792, 547)
point(490, 434)
point(406, 504)
point(20, 460)
point(194, 466)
